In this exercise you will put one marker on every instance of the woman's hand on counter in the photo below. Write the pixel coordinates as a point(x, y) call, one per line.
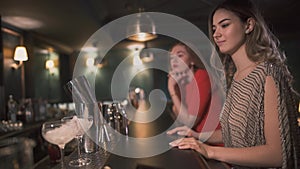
point(192, 143)
point(183, 131)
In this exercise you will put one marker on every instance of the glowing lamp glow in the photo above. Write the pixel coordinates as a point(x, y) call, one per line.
point(49, 64)
point(20, 54)
point(90, 62)
point(142, 28)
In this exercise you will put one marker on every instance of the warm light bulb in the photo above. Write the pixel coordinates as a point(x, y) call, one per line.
point(49, 64)
point(142, 36)
point(90, 62)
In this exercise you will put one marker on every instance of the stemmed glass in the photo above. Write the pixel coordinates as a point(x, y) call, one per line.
point(84, 122)
point(59, 133)
point(82, 93)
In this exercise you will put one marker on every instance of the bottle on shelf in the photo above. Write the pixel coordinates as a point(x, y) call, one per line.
point(28, 111)
point(21, 116)
point(12, 109)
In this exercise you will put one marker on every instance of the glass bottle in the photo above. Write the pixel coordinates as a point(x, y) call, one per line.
point(12, 109)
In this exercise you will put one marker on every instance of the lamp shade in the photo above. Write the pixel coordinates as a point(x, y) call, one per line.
point(141, 28)
point(20, 53)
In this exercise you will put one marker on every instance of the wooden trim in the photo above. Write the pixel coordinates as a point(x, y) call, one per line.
point(14, 33)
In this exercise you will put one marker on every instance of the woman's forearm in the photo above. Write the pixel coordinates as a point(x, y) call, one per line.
point(182, 114)
point(214, 137)
point(258, 156)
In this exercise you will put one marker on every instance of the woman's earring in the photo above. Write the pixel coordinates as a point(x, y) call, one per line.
point(192, 65)
point(247, 31)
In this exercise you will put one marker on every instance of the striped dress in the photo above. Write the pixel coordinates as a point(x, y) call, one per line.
point(242, 119)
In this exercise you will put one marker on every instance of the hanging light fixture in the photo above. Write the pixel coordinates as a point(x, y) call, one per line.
point(20, 55)
point(142, 28)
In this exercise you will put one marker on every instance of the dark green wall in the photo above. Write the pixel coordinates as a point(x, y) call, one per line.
point(148, 79)
point(42, 85)
point(291, 48)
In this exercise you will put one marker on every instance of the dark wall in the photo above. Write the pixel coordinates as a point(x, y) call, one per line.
point(103, 76)
point(11, 78)
point(291, 48)
point(39, 83)
point(2, 106)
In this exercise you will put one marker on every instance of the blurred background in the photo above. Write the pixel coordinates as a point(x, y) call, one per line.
point(54, 32)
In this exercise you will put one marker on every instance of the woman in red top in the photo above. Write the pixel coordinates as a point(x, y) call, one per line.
point(189, 87)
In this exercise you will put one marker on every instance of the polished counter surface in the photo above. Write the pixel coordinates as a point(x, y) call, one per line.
point(172, 158)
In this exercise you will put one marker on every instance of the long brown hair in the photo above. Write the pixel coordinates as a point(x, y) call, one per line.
point(261, 44)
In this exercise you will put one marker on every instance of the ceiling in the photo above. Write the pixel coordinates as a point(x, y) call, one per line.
point(70, 23)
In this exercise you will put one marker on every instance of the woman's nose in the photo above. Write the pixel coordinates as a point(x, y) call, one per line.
point(216, 34)
point(173, 59)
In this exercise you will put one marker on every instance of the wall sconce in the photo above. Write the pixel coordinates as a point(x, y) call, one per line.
point(50, 65)
point(20, 55)
point(90, 62)
point(136, 58)
point(146, 54)
point(136, 49)
point(142, 29)
point(96, 62)
point(100, 62)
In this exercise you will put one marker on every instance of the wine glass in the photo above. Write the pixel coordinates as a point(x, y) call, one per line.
point(59, 133)
point(84, 122)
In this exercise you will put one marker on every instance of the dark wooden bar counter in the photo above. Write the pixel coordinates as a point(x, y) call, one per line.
point(31, 131)
point(173, 158)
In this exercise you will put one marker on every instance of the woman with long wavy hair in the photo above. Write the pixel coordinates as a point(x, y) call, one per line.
point(259, 120)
